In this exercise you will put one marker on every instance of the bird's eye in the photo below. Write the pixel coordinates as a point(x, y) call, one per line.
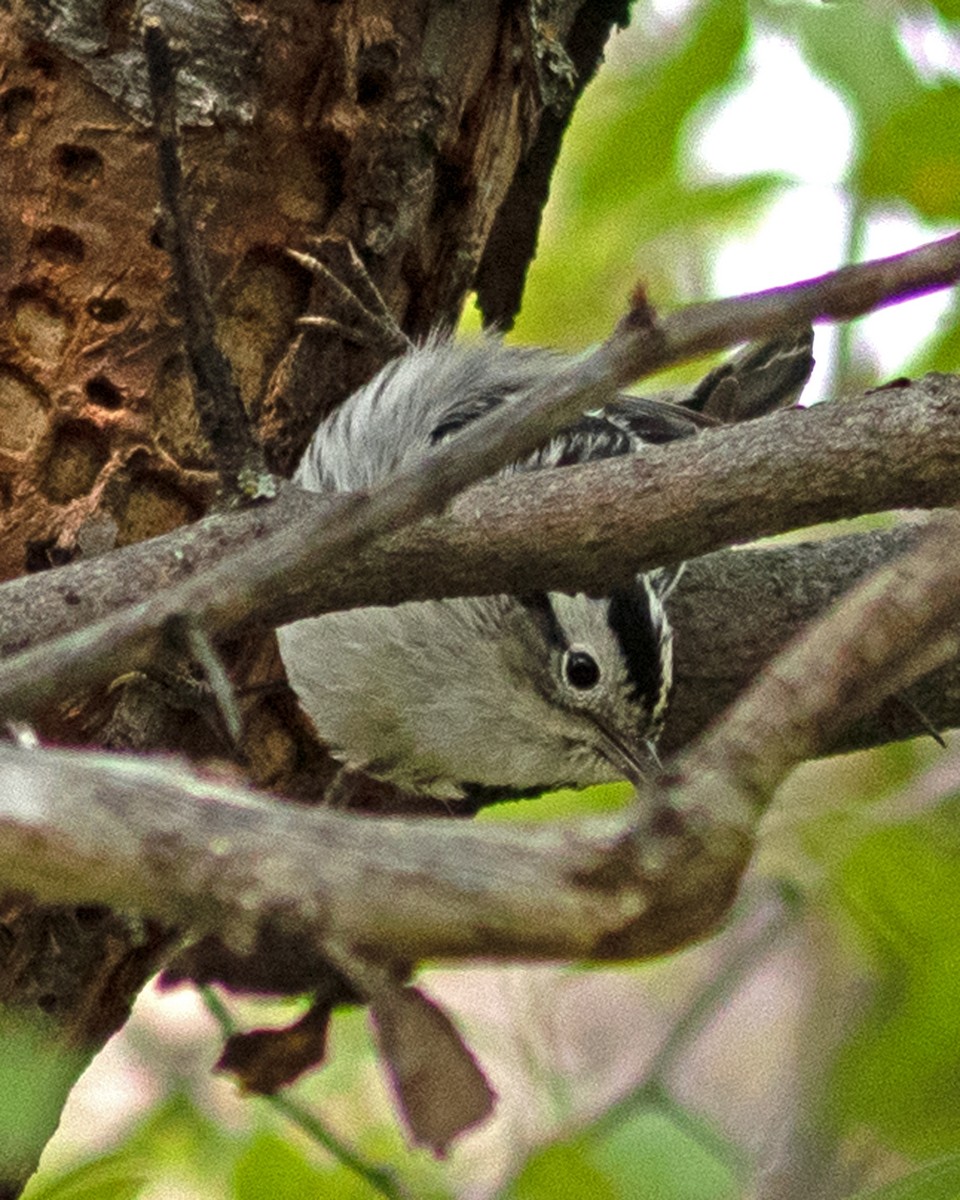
point(580, 670)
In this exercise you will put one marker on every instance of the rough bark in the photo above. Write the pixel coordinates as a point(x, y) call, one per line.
point(397, 125)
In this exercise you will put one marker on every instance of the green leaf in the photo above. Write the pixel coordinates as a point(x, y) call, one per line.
point(900, 1074)
point(575, 298)
point(855, 46)
point(913, 156)
point(113, 1177)
point(177, 1136)
point(555, 806)
point(722, 203)
point(36, 1074)
point(561, 1172)
point(949, 9)
point(943, 352)
point(621, 187)
point(904, 885)
point(644, 1157)
point(633, 124)
point(271, 1166)
point(938, 1180)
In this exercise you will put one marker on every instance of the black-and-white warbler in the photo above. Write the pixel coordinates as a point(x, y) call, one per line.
point(499, 695)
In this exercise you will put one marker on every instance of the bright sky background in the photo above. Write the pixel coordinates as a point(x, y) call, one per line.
point(785, 119)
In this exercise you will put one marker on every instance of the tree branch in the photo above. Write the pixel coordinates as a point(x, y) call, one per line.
point(86, 827)
point(161, 840)
point(735, 610)
point(578, 528)
point(899, 623)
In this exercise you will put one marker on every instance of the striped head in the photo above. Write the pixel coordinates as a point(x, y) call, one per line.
point(606, 671)
point(493, 696)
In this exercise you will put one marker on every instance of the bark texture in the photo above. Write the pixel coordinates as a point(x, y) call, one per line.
point(396, 125)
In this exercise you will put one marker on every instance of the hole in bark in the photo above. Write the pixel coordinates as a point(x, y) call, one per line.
point(38, 58)
point(107, 310)
point(79, 452)
point(258, 308)
point(16, 108)
point(78, 164)
point(176, 425)
point(47, 1002)
point(103, 393)
point(41, 556)
point(59, 245)
point(39, 323)
point(452, 194)
point(377, 66)
point(329, 153)
point(152, 506)
point(91, 915)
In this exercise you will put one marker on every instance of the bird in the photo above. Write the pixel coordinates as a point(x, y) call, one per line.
point(484, 698)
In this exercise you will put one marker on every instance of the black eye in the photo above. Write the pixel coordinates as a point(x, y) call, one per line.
point(581, 670)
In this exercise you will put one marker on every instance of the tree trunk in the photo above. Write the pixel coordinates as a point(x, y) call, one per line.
point(409, 130)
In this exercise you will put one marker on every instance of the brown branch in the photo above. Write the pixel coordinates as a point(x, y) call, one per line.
point(577, 528)
point(82, 827)
point(98, 828)
point(898, 624)
point(641, 345)
point(735, 610)
point(161, 840)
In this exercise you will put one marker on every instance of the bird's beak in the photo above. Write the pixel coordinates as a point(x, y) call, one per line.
point(637, 762)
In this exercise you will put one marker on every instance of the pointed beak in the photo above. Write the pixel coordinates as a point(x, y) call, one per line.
point(637, 762)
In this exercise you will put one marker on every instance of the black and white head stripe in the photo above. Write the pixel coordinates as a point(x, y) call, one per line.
point(541, 610)
point(634, 618)
point(637, 620)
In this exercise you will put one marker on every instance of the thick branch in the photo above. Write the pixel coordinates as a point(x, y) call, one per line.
point(735, 610)
point(160, 840)
point(577, 528)
point(899, 623)
point(96, 828)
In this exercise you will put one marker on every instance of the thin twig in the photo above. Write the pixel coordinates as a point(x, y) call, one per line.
point(381, 1179)
point(223, 419)
point(202, 649)
point(710, 999)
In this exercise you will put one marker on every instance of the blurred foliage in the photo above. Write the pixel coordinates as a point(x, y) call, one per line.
point(36, 1070)
point(901, 1074)
point(645, 1157)
point(624, 204)
point(936, 1181)
point(113, 1177)
point(877, 1069)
